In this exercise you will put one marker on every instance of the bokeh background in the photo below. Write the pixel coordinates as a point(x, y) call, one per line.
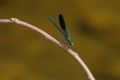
point(94, 26)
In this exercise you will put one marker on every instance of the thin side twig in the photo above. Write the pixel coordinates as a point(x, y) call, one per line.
point(49, 37)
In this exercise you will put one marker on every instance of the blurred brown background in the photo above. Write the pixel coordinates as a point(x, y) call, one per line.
point(94, 26)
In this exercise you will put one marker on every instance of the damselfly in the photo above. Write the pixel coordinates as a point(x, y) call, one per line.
point(64, 28)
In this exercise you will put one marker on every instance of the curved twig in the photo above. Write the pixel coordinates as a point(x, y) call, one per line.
point(49, 37)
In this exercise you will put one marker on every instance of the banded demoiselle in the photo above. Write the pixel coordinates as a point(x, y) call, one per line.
point(64, 29)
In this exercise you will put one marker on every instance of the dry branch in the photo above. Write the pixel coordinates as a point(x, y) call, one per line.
point(49, 37)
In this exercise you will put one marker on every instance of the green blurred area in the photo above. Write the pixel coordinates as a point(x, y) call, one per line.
point(94, 26)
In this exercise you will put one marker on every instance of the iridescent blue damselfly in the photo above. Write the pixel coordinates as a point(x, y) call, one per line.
point(64, 29)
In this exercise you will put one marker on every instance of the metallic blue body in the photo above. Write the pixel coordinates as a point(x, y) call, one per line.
point(64, 30)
